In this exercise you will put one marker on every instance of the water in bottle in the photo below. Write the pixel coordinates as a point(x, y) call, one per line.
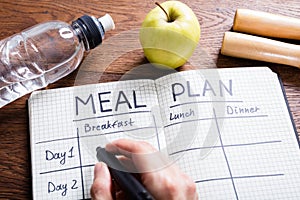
point(45, 53)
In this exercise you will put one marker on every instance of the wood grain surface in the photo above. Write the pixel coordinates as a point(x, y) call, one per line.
point(215, 17)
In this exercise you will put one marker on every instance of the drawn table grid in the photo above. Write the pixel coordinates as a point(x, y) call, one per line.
point(234, 144)
point(85, 173)
point(237, 156)
point(191, 153)
point(80, 155)
point(82, 167)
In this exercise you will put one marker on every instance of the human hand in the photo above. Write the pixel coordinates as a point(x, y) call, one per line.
point(163, 180)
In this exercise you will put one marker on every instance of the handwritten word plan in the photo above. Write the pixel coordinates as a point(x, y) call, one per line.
point(229, 129)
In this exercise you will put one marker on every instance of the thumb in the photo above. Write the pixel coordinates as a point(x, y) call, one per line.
point(102, 185)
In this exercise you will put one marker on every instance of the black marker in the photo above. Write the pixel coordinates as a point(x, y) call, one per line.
point(130, 185)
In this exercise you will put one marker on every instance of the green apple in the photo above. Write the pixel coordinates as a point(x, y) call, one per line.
point(169, 34)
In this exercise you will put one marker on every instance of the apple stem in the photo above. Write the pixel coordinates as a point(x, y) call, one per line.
point(168, 17)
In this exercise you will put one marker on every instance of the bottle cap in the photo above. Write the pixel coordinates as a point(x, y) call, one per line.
point(107, 22)
point(91, 35)
point(92, 30)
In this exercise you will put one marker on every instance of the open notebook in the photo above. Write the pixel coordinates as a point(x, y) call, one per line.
point(229, 129)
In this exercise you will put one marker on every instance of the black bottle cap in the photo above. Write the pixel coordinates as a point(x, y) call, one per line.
point(90, 30)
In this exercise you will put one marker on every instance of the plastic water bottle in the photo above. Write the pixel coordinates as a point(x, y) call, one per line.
point(45, 53)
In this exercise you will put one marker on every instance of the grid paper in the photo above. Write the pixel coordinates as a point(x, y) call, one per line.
point(67, 125)
point(243, 143)
point(229, 129)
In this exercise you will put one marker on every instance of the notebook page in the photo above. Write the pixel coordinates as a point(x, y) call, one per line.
point(68, 124)
point(231, 131)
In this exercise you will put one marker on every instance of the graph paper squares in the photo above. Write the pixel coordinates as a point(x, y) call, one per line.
point(230, 153)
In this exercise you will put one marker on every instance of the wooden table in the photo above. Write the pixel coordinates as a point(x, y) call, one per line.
point(215, 17)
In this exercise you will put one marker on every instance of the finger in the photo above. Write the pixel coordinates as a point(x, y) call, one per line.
point(127, 147)
point(102, 185)
point(143, 155)
point(127, 163)
point(177, 184)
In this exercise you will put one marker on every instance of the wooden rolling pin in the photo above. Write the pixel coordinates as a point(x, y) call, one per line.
point(266, 24)
point(259, 48)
